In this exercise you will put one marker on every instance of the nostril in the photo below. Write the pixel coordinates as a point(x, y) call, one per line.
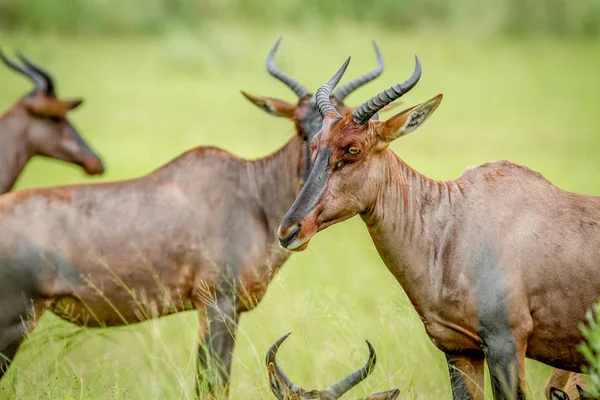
point(285, 239)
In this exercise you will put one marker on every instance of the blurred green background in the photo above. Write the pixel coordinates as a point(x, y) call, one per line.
point(520, 79)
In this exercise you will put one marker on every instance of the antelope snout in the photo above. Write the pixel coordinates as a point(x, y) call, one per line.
point(93, 166)
point(288, 234)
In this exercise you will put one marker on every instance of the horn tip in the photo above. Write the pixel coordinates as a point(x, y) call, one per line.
point(246, 95)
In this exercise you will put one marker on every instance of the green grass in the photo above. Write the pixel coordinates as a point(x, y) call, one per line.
point(533, 102)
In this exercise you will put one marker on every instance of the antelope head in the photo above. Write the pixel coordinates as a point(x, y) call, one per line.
point(350, 160)
point(41, 120)
point(284, 389)
point(304, 113)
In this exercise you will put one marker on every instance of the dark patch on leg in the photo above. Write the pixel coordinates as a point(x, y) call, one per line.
point(10, 340)
point(19, 289)
point(460, 389)
point(214, 358)
point(494, 327)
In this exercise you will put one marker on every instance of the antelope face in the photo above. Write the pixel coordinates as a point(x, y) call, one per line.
point(304, 113)
point(349, 161)
point(47, 130)
point(49, 133)
point(284, 389)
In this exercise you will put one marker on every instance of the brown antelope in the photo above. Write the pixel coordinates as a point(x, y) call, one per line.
point(37, 125)
point(199, 230)
point(284, 389)
point(488, 260)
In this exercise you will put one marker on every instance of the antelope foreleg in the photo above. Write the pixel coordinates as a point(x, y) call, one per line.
point(507, 367)
point(466, 375)
point(214, 357)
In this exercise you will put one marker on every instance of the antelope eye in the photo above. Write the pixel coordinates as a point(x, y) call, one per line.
point(353, 150)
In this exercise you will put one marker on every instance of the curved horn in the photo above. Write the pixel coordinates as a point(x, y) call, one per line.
point(354, 378)
point(38, 81)
point(50, 91)
point(322, 96)
point(369, 108)
point(272, 358)
point(290, 82)
point(342, 92)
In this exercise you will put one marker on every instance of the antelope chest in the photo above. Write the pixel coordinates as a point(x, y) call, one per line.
point(451, 330)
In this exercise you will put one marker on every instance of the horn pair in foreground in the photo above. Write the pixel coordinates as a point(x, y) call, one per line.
point(368, 109)
point(284, 389)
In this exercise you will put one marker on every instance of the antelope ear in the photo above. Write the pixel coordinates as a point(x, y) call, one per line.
point(74, 103)
point(583, 394)
point(272, 106)
point(557, 394)
point(408, 120)
point(47, 107)
point(389, 395)
point(277, 384)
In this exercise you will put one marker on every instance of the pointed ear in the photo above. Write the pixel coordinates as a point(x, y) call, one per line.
point(277, 384)
point(557, 394)
point(583, 394)
point(47, 106)
point(389, 395)
point(272, 106)
point(74, 103)
point(408, 120)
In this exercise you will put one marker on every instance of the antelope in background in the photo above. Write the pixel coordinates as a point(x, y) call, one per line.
point(284, 389)
point(198, 233)
point(37, 125)
point(489, 260)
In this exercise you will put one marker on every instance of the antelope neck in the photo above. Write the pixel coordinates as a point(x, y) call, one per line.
point(14, 152)
point(410, 223)
point(278, 179)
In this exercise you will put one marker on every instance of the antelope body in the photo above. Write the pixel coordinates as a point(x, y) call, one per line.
point(37, 125)
point(489, 260)
point(198, 233)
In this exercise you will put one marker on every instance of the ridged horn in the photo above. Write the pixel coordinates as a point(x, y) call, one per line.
point(290, 82)
point(343, 91)
point(322, 96)
point(272, 358)
point(50, 91)
point(354, 378)
point(39, 81)
point(369, 108)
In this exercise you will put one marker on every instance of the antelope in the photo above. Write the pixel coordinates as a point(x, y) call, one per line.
point(37, 124)
point(197, 233)
point(488, 260)
point(284, 389)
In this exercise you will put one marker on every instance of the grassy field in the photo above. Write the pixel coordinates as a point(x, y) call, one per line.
point(147, 100)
